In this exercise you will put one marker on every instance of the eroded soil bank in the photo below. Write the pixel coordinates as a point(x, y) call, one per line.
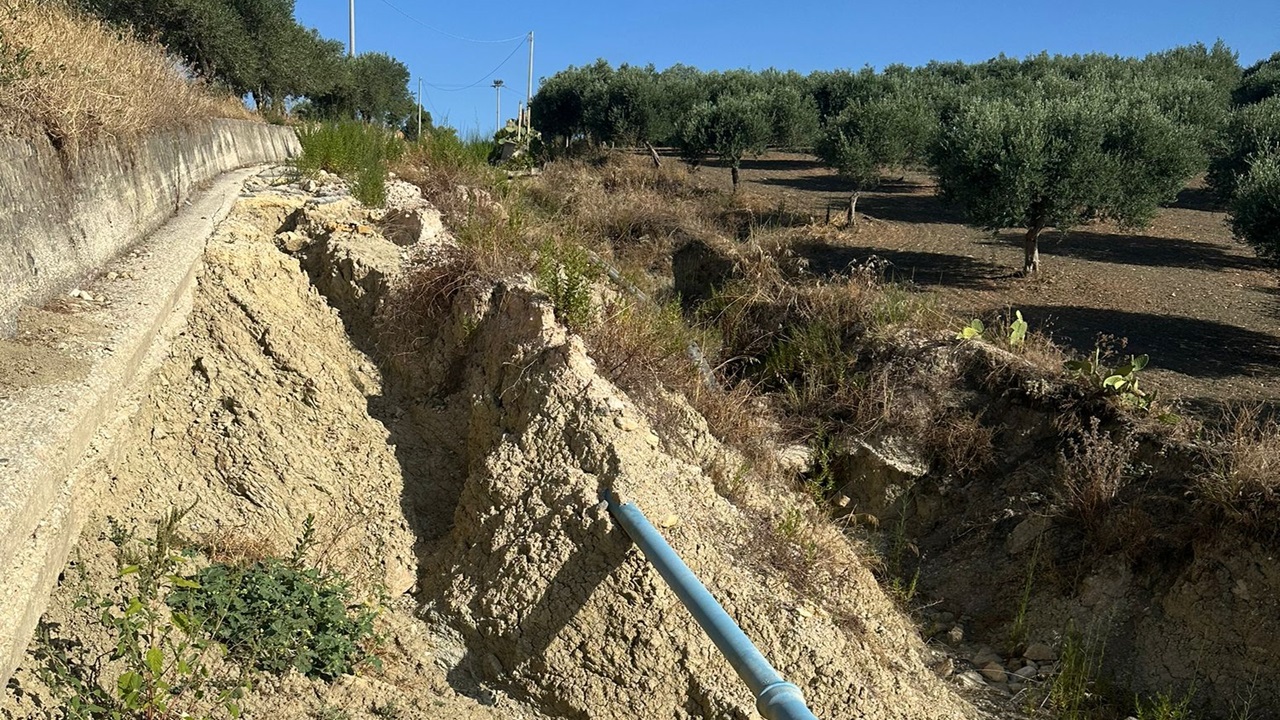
point(461, 482)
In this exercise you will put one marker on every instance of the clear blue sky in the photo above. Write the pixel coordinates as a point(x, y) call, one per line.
point(787, 34)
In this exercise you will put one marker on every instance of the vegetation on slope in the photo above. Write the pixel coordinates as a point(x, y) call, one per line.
point(255, 47)
point(67, 76)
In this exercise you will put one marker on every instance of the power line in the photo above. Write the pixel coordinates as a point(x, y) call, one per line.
point(447, 33)
point(491, 73)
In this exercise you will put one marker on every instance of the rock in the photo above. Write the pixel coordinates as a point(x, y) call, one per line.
point(1017, 687)
point(1028, 671)
point(310, 185)
point(1026, 533)
point(944, 668)
point(971, 680)
point(413, 225)
point(1039, 652)
point(795, 459)
point(955, 635)
point(113, 275)
point(875, 474)
point(984, 657)
point(626, 424)
point(670, 521)
point(291, 241)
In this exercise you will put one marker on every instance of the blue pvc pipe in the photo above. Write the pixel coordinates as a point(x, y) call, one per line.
point(776, 699)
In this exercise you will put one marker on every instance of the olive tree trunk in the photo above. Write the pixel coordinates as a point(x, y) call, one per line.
point(1031, 250)
point(733, 172)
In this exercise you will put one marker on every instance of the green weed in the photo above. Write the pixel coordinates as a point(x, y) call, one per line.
point(1165, 707)
point(358, 152)
point(166, 660)
point(565, 273)
point(1073, 693)
point(1019, 633)
point(276, 615)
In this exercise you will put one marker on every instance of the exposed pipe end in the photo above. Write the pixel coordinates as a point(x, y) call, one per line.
point(783, 701)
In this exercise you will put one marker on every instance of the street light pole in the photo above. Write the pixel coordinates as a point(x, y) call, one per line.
point(351, 46)
point(528, 92)
point(419, 109)
point(497, 113)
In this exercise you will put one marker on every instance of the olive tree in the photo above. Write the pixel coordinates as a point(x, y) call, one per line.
point(866, 136)
point(1258, 82)
point(1251, 130)
point(1255, 210)
point(731, 127)
point(1056, 162)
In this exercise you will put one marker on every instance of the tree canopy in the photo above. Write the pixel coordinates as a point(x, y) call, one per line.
point(256, 47)
point(1059, 161)
point(730, 128)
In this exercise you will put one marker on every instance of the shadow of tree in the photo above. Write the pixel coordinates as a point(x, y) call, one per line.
point(921, 268)
point(1202, 199)
point(913, 208)
point(1198, 348)
point(1141, 250)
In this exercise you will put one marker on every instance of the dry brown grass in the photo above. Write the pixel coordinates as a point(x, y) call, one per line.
point(1242, 480)
point(72, 79)
point(237, 547)
point(1095, 468)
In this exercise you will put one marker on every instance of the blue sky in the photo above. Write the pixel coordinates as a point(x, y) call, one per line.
point(788, 34)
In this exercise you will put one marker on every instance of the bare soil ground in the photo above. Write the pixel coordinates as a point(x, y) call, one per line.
point(1182, 290)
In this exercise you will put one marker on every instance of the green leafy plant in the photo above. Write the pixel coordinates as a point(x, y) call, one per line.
point(1165, 707)
point(276, 615)
point(565, 273)
point(1121, 382)
point(167, 662)
point(972, 331)
point(1017, 330)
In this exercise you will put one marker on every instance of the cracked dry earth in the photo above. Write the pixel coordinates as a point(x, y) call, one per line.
point(465, 484)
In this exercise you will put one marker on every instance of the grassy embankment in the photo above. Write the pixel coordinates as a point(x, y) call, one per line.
point(70, 78)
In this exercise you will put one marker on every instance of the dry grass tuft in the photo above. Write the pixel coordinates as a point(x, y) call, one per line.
point(423, 295)
point(1243, 477)
point(1095, 469)
point(237, 548)
point(71, 78)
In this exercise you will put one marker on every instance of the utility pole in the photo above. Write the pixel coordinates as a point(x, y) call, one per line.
point(497, 113)
point(528, 93)
point(419, 109)
point(351, 47)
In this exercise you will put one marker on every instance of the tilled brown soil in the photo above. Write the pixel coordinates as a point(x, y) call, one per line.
point(1204, 308)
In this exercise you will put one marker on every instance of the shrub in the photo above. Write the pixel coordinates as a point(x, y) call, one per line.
point(167, 668)
point(1251, 132)
point(1255, 210)
point(565, 273)
point(1095, 469)
point(275, 615)
point(356, 151)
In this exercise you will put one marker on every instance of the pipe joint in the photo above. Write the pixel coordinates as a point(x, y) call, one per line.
point(783, 701)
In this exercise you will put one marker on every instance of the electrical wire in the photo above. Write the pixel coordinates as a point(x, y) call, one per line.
point(444, 88)
point(446, 33)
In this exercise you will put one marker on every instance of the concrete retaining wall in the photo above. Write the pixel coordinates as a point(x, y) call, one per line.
point(61, 222)
point(61, 218)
